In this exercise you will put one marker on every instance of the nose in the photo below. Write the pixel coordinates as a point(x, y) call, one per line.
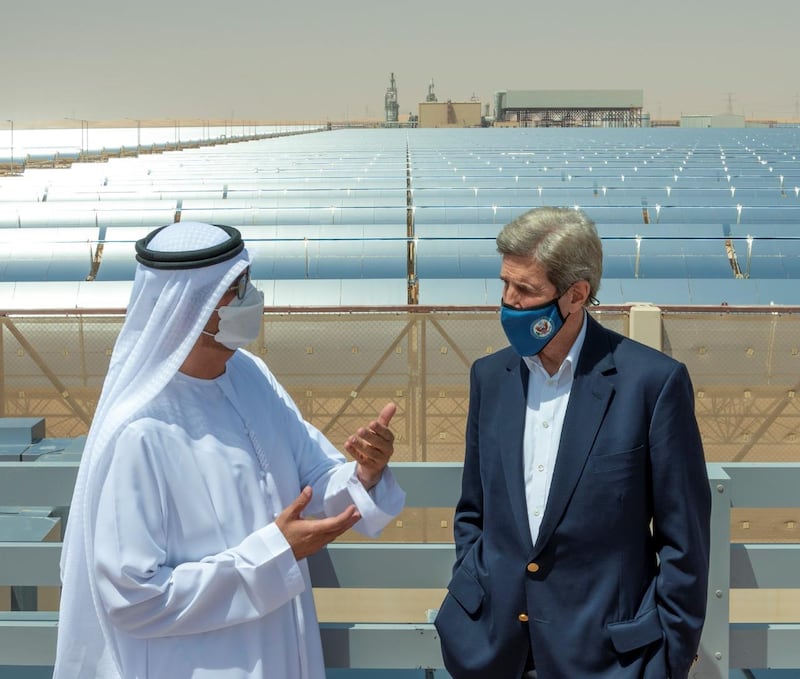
point(511, 296)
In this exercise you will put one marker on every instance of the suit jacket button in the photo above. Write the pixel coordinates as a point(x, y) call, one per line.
point(533, 567)
point(522, 617)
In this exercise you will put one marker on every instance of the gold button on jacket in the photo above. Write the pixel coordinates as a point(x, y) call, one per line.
point(533, 567)
point(522, 617)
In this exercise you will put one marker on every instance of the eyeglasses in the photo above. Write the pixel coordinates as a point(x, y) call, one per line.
point(240, 284)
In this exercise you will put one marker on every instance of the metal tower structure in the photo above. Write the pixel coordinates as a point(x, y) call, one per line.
point(391, 107)
point(431, 94)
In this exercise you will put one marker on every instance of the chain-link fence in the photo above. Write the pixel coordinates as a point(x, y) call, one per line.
point(341, 366)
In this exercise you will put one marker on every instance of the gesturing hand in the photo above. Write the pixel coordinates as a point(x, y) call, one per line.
point(307, 536)
point(372, 446)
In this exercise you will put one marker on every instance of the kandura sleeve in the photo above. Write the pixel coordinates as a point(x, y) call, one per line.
point(333, 481)
point(377, 506)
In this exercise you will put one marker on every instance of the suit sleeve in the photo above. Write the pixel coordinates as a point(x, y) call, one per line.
point(468, 522)
point(681, 519)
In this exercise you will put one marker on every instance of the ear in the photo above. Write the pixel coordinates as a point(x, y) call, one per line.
point(579, 293)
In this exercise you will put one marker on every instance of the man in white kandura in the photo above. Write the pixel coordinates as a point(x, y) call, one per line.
point(185, 548)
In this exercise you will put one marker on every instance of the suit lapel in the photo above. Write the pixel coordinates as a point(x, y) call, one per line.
point(588, 403)
point(513, 399)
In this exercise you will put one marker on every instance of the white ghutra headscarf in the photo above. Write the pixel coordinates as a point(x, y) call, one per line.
point(184, 270)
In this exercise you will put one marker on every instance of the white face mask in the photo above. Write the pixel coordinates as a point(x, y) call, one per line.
point(240, 321)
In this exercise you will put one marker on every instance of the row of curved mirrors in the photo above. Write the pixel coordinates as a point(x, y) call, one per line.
point(686, 216)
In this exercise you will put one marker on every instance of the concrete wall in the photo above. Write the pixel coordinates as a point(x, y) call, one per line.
point(728, 120)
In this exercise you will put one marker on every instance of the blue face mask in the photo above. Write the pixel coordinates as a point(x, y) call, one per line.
point(529, 330)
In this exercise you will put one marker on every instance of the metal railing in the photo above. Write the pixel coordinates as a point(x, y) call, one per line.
point(753, 613)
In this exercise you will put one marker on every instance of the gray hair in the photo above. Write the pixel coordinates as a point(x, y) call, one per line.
point(563, 241)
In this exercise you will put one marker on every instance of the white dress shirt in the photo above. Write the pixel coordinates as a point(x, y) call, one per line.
point(544, 418)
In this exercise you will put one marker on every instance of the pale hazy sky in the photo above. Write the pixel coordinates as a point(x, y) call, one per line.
point(295, 60)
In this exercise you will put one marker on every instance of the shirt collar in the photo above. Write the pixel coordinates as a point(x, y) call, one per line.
point(571, 359)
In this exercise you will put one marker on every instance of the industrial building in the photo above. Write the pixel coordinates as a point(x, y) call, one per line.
point(569, 108)
point(433, 113)
point(449, 114)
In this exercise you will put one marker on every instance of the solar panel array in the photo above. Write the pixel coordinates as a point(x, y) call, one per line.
point(347, 217)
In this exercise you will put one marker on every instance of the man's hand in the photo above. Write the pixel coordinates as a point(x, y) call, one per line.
point(307, 536)
point(372, 446)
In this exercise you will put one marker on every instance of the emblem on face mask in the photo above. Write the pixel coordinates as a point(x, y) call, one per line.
point(542, 328)
point(529, 330)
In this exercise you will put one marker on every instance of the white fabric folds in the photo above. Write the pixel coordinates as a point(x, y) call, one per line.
point(166, 312)
point(172, 565)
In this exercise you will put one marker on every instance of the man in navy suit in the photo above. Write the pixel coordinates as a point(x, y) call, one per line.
point(582, 531)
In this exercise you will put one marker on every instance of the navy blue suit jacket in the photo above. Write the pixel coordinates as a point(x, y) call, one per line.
point(599, 595)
